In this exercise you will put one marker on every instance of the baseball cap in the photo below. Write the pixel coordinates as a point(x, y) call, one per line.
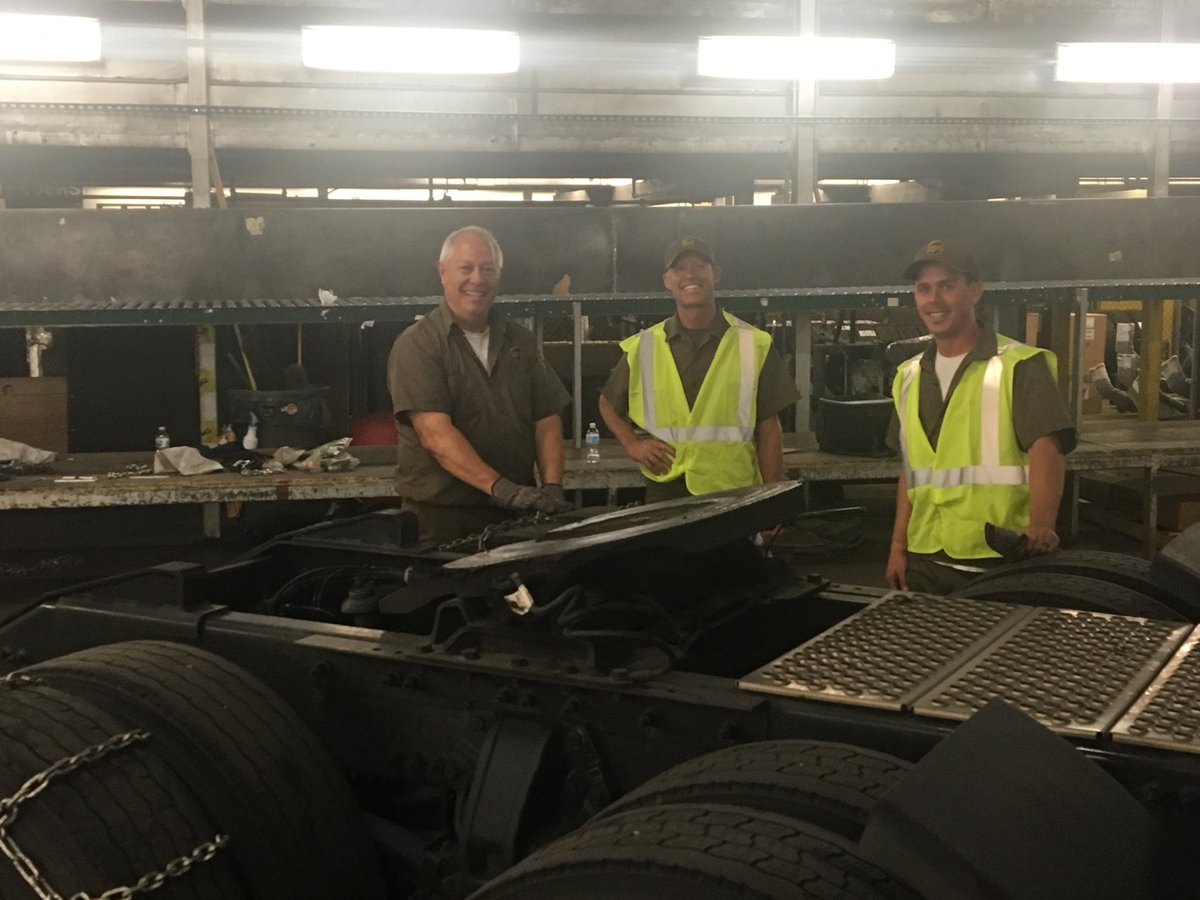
point(952, 256)
point(687, 245)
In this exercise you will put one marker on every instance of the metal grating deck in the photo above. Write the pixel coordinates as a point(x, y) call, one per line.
point(1075, 672)
point(888, 654)
point(1168, 714)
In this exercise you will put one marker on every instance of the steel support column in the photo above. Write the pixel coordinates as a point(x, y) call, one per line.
point(1059, 337)
point(577, 373)
point(1160, 153)
point(1150, 362)
point(804, 108)
point(802, 324)
point(206, 380)
point(1068, 517)
point(1078, 342)
point(1193, 382)
point(199, 136)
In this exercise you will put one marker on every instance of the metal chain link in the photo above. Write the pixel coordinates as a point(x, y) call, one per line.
point(16, 680)
point(477, 543)
point(154, 880)
point(33, 786)
point(39, 782)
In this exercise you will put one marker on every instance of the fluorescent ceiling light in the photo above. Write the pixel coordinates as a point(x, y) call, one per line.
point(1115, 63)
point(28, 38)
point(796, 58)
point(438, 51)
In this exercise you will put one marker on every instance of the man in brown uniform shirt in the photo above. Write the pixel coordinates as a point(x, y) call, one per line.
point(475, 404)
point(693, 334)
point(947, 288)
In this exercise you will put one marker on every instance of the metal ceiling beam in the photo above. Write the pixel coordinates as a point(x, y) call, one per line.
point(973, 79)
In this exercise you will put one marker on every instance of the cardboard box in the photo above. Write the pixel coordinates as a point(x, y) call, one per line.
point(1095, 331)
point(1123, 492)
point(34, 411)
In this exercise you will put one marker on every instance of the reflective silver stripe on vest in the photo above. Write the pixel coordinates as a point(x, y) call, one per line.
point(743, 432)
point(989, 471)
point(968, 476)
point(910, 372)
point(989, 410)
point(646, 366)
point(731, 433)
point(747, 385)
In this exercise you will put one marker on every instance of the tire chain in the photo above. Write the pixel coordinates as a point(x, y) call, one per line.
point(25, 866)
point(478, 543)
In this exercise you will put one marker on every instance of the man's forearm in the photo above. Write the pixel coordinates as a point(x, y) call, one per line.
point(903, 514)
point(548, 446)
point(1047, 472)
point(620, 427)
point(452, 451)
point(768, 437)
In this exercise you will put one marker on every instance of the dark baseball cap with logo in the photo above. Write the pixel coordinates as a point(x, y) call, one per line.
point(952, 256)
point(688, 245)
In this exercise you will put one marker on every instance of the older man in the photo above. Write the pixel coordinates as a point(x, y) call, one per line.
point(706, 387)
point(982, 429)
point(476, 406)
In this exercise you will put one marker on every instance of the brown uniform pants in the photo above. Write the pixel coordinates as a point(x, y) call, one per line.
point(928, 577)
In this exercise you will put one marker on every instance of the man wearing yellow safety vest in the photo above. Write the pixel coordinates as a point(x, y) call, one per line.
point(704, 386)
point(982, 430)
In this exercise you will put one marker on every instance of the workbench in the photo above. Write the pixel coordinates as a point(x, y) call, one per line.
point(1105, 444)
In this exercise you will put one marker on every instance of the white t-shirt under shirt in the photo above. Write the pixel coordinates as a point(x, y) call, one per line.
point(947, 366)
point(479, 343)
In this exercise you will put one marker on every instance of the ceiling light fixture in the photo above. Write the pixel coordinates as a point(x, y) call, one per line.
point(796, 58)
point(32, 38)
point(1115, 63)
point(430, 51)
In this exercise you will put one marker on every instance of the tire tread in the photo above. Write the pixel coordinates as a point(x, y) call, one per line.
point(725, 851)
point(297, 827)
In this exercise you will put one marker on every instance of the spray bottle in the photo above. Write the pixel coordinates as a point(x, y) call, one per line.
point(250, 441)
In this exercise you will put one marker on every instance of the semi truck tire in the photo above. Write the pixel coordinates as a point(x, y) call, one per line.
point(685, 851)
point(111, 812)
point(1068, 592)
point(831, 785)
point(1130, 572)
point(295, 828)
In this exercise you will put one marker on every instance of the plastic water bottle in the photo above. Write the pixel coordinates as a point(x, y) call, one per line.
point(162, 440)
point(592, 439)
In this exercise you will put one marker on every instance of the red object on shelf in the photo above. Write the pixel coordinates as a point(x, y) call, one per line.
point(377, 428)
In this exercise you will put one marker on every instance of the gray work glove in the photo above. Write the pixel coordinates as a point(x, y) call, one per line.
point(554, 500)
point(508, 494)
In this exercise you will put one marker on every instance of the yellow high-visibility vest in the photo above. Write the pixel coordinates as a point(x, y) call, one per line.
point(978, 473)
point(713, 440)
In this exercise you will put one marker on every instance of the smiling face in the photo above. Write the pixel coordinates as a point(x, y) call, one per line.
point(470, 281)
point(946, 303)
point(692, 280)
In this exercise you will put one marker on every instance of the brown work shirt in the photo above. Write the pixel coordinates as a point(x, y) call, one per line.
point(693, 350)
point(432, 368)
